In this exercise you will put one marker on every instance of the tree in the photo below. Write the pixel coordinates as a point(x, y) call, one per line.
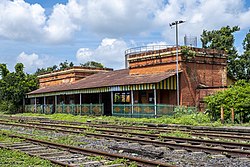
point(243, 63)
point(223, 39)
point(14, 86)
point(3, 70)
point(62, 66)
point(65, 65)
point(92, 64)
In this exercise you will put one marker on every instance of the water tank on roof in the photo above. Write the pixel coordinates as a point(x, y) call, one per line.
point(190, 41)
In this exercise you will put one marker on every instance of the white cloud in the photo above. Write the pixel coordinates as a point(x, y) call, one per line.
point(120, 17)
point(20, 20)
point(84, 55)
point(31, 61)
point(110, 53)
point(29, 22)
point(199, 15)
point(117, 18)
point(64, 21)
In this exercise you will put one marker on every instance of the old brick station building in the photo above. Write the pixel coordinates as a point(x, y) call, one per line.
point(146, 86)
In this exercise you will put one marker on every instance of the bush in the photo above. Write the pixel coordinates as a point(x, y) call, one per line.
point(236, 97)
point(7, 107)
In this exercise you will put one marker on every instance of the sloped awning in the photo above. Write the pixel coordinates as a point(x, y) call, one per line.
point(119, 80)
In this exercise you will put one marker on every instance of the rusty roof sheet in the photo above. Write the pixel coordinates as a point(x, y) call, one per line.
point(105, 79)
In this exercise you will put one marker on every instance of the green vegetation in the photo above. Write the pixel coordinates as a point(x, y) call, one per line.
point(61, 66)
point(6, 139)
point(92, 64)
point(10, 158)
point(188, 52)
point(122, 161)
point(236, 97)
point(65, 65)
point(176, 133)
point(191, 119)
point(95, 158)
point(13, 87)
point(223, 39)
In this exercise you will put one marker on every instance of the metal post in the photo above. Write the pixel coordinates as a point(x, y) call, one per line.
point(177, 62)
point(126, 61)
point(132, 102)
point(155, 102)
point(23, 109)
point(112, 102)
point(35, 105)
point(44, 103)
point(100, 98)
point(80, 99)
point(55, 100)
point(80, 104)
point(55, 103)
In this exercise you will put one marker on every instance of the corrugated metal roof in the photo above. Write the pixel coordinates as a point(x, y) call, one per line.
point(105, 79)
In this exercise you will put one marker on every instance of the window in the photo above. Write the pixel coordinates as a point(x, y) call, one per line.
point(122, 97)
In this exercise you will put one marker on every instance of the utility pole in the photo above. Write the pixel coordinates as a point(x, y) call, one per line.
point(177, 56)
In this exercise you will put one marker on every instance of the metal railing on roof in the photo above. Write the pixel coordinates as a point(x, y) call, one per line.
point(142, 49)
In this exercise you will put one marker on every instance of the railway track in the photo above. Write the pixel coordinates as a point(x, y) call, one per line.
point(208, 146)
point(193, 130)
point(201, 133)
point(198, 133)
point(136, 126)
point(234, 136)
point(71, 156)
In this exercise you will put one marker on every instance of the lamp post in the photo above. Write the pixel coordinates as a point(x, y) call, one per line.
point(177, 70)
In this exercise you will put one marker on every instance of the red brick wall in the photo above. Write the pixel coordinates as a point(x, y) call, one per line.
point(203, 71)
point(153, 69)
point(61, 79)
point(206, 69)
point(153, 65)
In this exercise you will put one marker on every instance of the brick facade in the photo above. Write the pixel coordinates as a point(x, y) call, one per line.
point(202, 74)
point(68, 75)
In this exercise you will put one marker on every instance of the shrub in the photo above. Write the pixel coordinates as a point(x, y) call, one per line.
point(236, 97)
point(7, 107)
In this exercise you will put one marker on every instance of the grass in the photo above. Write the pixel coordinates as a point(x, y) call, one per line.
point(6, 139)
point(192, 119)
point(10, 158)
point(40, 135)
point(176, 134)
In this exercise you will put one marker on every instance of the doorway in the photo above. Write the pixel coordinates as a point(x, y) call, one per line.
point(106, 100)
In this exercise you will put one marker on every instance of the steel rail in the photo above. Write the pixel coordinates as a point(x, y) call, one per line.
point(153, 126)
point(148, 135)
point(32, 155)
point(152, 136)
point(166, 129)
point(228, 135)
point(229, 151)
point(92, 152)
point(184, 128)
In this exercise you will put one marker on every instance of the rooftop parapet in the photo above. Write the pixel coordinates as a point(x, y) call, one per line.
point(145, 52)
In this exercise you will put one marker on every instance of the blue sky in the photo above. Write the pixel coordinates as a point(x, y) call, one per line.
point(43, 33)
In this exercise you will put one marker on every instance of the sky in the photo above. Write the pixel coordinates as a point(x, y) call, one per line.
point(42, 33)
